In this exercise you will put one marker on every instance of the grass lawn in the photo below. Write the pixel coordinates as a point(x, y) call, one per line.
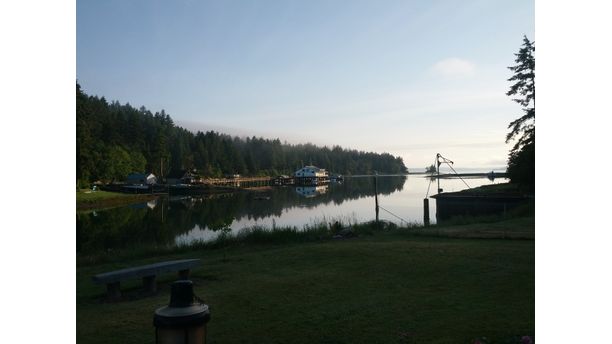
point(390, 287)
point(102, 199)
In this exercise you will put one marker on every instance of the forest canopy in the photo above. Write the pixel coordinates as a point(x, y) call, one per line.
point(114, 140)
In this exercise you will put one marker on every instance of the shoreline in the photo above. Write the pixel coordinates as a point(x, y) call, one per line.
point(512, 226)
point(104, 199)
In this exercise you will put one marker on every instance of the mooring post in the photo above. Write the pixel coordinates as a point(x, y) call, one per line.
point(426, 211)
point(438, 166)
point(376, 194)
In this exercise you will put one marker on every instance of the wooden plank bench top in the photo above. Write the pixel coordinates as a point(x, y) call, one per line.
point(148, 273)
point(145, 270)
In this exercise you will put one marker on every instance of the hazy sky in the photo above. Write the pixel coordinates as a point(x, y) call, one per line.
point(411, 78)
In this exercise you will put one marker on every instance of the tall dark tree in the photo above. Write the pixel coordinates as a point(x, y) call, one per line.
point(521, 161)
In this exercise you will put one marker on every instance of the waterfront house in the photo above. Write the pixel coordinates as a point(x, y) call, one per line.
point(311, 175)
point(141, 179)
point(311, 172)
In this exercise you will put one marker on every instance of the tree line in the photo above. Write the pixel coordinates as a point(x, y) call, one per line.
point(116, 139)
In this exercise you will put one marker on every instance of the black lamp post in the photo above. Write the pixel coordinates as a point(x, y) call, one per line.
point(184, 320)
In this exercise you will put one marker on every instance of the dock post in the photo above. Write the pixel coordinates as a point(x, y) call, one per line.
point(426, 211)
point(376, 194)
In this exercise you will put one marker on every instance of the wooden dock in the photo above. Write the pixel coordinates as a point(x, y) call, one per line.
point(472, 175)
point(239, 182)
point(204, 186)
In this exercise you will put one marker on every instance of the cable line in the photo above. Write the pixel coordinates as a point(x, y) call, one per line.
point(466, 184)
point(392, 214)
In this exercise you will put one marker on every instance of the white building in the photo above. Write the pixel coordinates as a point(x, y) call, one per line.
point(311, 172)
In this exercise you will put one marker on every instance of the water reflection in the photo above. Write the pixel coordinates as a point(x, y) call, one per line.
point(160, 222)
point(183, 219)
point(311, 191)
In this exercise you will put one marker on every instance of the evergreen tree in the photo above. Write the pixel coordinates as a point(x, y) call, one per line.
point(521, 162)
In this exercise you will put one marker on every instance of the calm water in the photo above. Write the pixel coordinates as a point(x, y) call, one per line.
point(182, 220)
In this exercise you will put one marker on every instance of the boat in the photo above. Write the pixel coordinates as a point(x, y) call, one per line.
point(338, 178)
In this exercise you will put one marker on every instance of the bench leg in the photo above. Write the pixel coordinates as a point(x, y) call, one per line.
point(113, 291)
point(183, 274)
point(149, 283)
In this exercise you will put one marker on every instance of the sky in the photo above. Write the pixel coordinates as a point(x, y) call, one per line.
point(411, 78)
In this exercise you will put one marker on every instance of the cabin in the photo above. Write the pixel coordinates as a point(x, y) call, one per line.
point(141, 179)
point(180, 177)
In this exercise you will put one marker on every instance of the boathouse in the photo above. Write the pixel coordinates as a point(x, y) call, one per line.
point(141, 179)
point(467, 203)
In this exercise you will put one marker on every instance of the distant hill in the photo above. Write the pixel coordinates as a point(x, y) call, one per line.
point(114, 140)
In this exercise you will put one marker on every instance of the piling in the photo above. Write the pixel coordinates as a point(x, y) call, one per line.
point(376, 195)
point(426, 211)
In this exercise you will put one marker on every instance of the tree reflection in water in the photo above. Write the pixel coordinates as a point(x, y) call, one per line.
point(158, 223)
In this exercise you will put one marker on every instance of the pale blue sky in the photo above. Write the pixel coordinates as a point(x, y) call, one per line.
point(411, 78)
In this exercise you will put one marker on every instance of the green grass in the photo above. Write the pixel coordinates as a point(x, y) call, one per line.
point(104, 199)
point(86, 196)
point(392, 286)
point(517, 224)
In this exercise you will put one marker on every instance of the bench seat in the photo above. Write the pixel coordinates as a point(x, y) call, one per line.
point(148, 273)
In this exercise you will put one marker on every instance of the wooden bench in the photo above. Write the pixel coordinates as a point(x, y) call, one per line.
point(148, 273)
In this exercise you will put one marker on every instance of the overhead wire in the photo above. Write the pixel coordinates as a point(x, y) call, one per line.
point(451, 167)
point(392, 213)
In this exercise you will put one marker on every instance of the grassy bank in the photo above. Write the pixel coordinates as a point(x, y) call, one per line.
point(86, 199)
point(385, 286)
point(517, 223)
